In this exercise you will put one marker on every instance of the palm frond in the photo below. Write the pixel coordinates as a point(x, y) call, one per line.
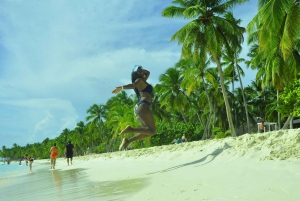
point(173, 12)
point(291, 30)
point(192, 12)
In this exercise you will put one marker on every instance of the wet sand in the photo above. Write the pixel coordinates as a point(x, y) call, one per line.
point(72, 184)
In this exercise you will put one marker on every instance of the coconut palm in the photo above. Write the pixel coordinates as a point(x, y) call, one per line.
point(276, 28)
point(158, 110)
point(96, 117)
point(4, 151)
point(233, 67)
point(215, 92)
point(120, 115)
point(209, 21)
point(65, 135)
point(80, 130)
point(277, 18)
point(172, 95)
point(195, 74)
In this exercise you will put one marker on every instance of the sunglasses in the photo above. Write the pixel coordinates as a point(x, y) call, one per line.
point(136, 68)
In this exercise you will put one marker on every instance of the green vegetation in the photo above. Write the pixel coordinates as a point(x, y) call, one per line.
point(193, 96)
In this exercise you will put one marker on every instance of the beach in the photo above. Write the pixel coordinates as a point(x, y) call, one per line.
point(251, 167)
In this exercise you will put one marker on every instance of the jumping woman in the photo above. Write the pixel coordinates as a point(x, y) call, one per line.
point(142, 110)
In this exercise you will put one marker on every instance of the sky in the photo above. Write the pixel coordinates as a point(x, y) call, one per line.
point(59, 57)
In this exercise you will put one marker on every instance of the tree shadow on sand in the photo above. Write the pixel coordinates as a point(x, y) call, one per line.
point(208, 158)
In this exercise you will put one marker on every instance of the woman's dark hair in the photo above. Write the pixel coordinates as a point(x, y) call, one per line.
point(134, 77)
point(54, 144)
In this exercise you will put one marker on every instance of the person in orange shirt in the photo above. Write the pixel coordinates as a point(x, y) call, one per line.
point(53, 155)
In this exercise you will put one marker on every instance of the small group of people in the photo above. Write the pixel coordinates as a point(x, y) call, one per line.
point(69, 151)
point(183, 139)
point(54, 151)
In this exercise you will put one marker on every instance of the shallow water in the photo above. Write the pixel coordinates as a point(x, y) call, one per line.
point(44, 184)
point(11, 169)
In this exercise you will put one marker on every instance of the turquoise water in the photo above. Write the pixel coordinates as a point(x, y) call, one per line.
point(12, 169)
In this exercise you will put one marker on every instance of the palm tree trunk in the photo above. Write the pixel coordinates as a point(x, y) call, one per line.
point(291, 122)
point(244, 100)
point(214, 119)
point(200, 120)
point(279, 125)
point(207, 130)
point(183, 117)
point(235, 111)
point(287, 121)
point(228, 109)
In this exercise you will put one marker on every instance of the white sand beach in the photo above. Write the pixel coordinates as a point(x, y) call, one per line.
point(252, 167)
point(249, 167)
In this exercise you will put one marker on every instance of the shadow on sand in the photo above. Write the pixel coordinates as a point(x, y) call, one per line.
point(208, 158)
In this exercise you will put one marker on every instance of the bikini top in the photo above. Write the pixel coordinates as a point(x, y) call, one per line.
point(148, 89)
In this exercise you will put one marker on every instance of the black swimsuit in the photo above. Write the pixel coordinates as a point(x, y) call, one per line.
point(149, 90)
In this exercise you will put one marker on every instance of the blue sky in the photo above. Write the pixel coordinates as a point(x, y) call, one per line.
point(57, 58)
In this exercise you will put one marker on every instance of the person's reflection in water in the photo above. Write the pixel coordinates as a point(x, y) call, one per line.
point(57, 182)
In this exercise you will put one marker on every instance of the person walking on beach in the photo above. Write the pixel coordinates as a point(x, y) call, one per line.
point(53, 155)
point(69, 151)
point(142, 110)
point(30, 160)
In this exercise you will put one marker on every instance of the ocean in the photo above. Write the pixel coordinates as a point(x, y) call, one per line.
point(12, 169)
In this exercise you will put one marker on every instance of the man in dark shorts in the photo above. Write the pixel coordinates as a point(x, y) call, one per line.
point(69, 150)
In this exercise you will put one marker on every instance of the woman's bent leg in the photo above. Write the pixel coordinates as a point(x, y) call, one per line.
point(145, 117)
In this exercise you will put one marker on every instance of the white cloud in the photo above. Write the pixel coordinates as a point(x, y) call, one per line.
point(33, 120)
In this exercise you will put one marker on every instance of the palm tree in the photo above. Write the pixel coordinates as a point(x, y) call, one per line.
point(96, 116)
point(80, 128)
point(276, 28)
point(210, 27)
point(233, 66)
point(159, 111)
point(172, 96)
point(277, 18)
point(120, 115)
point(4, 149)
point(65, 135)
point(215, 92)
point(195, 73)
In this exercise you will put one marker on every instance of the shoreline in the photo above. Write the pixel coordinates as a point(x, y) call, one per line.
point(254, 167)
